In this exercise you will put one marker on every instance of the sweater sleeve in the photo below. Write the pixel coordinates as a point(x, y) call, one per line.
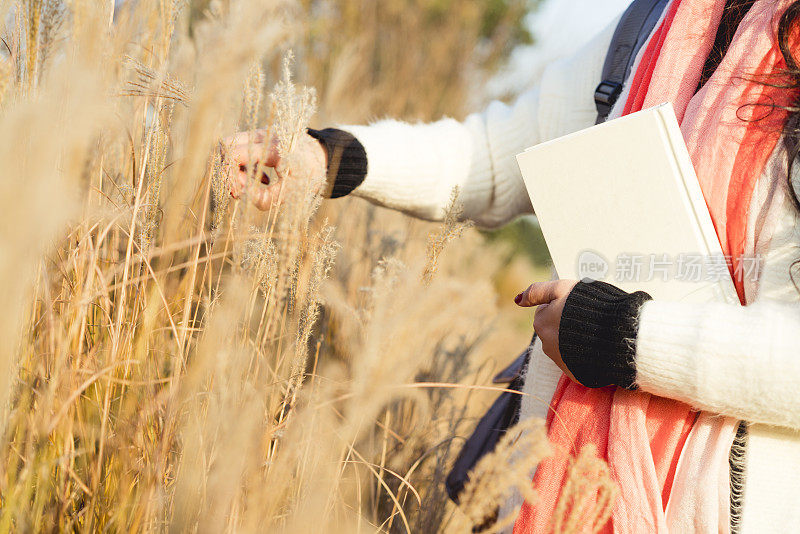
point(597, 333)
point(736, 361)
point(347, 160)
point(415, 167)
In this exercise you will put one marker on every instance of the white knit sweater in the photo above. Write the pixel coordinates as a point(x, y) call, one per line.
point(737, 361)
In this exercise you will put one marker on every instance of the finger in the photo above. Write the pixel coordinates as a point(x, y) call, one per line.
point(264, 198)
point(249, 147)
point(237, 181)
point(536, 294)
point(245, 138)
point(249, 154)
point(540, 317)
point(544, 292)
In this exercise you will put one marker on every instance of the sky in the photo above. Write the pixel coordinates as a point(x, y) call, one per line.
point(560, 27)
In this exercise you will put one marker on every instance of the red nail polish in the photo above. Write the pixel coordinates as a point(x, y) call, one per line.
point(518, 298)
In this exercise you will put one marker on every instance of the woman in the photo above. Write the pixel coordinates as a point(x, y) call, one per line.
point(639, 371)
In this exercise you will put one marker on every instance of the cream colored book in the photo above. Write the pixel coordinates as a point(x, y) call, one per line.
point(620, 202)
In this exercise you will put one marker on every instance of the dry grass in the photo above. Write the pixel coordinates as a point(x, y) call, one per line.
point(175, 360)
point(506, 469)
point(588, 481)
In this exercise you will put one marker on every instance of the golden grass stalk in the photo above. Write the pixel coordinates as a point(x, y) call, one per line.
point(452, 228)
point(588, 495)
point(498, 475)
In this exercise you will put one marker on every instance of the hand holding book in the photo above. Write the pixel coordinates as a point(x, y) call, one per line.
point(549, 299)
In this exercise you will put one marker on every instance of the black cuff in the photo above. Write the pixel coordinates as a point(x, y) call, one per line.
point(347, 159)
point(597, 334)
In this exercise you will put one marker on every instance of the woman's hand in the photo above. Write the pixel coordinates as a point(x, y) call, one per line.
point(550, 298)
point(251, 153)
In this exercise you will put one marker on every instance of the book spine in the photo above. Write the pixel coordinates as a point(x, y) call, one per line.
point(694, 195)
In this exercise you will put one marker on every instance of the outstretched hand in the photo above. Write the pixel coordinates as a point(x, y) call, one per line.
point(550, 298)
point(252, 153)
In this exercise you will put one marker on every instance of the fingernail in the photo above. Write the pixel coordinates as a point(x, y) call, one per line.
point(518, 298)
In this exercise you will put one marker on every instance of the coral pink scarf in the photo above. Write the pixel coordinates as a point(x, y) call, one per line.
point(730, 141)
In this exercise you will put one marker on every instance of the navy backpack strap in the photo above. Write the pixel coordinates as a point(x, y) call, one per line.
point(632, 32)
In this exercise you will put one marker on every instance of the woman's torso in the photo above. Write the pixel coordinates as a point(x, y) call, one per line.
point(772, 461)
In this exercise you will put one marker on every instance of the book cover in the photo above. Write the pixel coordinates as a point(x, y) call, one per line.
point(620, 202)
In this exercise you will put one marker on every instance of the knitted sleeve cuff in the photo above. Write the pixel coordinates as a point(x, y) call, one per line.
point(347, 160)
point(597, 334)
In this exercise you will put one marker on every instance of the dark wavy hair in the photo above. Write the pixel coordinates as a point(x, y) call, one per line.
point(786, 26)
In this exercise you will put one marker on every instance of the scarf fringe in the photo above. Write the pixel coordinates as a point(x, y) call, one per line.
point(737, 462)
